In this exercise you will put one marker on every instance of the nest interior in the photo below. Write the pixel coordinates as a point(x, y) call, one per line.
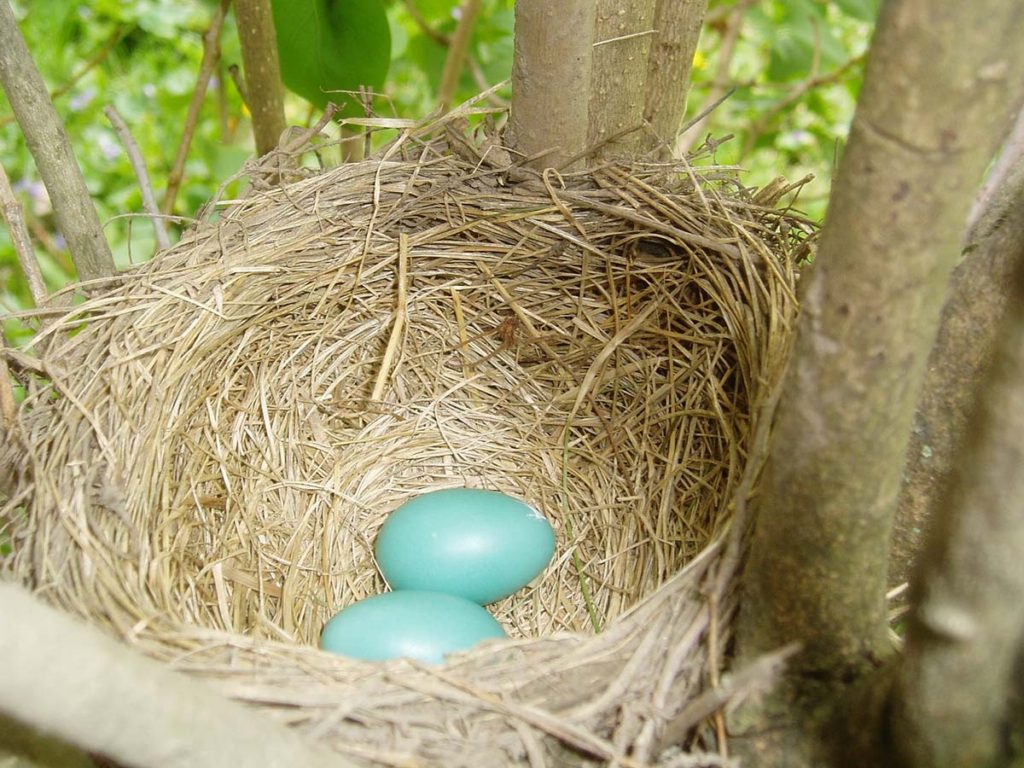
point(211, 442)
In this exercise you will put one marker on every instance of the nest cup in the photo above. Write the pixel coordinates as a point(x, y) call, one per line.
point(212, 441)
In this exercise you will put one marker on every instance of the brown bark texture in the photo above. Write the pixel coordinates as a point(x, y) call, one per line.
point(623, 33)
point(48, 142)
point(551, 73)
point(925, 127)
point(263, 86)
point(677, 25)
point(967, 623)
point(71, 681)
point(978, 299)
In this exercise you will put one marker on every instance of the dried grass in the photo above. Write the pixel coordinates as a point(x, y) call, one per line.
point(212, 441)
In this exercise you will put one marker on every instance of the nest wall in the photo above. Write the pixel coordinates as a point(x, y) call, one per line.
point(211, 442)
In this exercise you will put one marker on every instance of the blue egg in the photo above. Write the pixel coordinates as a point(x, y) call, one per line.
point(480, 545)
point(417, 625)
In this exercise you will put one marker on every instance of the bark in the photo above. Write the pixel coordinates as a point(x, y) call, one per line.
point(80, 686)
point(967, 623)
point(623, 32)
point(677, 25)
point(924, 130)
point(551, 80)
point(264, 90)
point(49, 145)
point(978, 299)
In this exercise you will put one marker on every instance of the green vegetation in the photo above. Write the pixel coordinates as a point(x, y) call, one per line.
point(795, 65)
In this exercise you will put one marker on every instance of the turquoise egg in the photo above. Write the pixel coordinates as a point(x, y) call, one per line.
point(417, 625)
point(480, 545)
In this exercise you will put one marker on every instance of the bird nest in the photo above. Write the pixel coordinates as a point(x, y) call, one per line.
point(210, 443)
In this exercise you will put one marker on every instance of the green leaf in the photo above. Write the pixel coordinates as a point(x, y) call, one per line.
point(327, 47)
point(863, 10)
point(801, 34)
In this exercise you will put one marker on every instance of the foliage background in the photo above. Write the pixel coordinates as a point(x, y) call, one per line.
point(795, 65)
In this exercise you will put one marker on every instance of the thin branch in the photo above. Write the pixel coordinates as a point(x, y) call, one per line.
point(797, 93)
point(457, 53)
point(438, 37)
point(211, 55)
point(141, 174)
point(97, 58)
point(720, 85)
point(8, 403)
point(48, 142)
point(22, 242)
point(262, 72)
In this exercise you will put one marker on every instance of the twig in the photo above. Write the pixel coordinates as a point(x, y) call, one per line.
point(211, 55)
point(798, 92)
point(733, 25)
point(97, 59)
point(8, 403)
point(457, 52)
point(141, 174)
point(22, 242)
point(48, 142)
point(438, 37)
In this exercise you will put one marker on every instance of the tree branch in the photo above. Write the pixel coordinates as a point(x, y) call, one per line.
point(262, 72)
point(551, 80)
point(141, 174)
point(70, 680)
point(967, 623)
point(22, 242)
point(211, 55)
point(95, 60)
point(457, 51)
point(923, 133)
point(49, 145)
point(796, 93)
point(677, 25)
point(978, 299)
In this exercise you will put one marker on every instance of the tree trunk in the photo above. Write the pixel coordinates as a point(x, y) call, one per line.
point(551, 80)
point(924, 130)
point(677, 25)
point(48, 142)
point(968, 620)
point(264, 91)
point(623, 33)
point(963, 350)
